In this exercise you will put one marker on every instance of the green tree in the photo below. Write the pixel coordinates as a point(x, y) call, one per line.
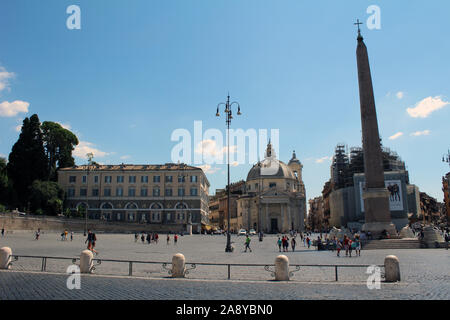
point(59, 144)
point(46, 195)
point(4, 183)
point(27, 160)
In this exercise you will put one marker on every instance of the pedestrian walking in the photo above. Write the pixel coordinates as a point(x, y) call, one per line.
point(308, 242)
point(3, 232)
point(143, 238)
point(91, 239)
point(286, 244)
point(293, 243)
point(247, 244)
point(350, 247)
point(71, 236)
point(38, 233)
point(175, 239)
point(168, 238)
point(346, 245)
point(148, 238)
point(338, 248)
point(279, 242)
point(357, 243)
point(156, 238)
point(136, 236)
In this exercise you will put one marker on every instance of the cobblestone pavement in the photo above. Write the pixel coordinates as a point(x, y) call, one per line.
point(425, 272)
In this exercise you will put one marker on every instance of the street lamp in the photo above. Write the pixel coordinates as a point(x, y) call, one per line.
point(229, 116)
point(90, 155)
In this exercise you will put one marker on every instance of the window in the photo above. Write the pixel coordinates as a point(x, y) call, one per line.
point(169, 192)
point(131, 192)
point(194, 192)
point(193, 178)
point(272, 185)
point(144, 179)
point(256, 186)
point(83, 192)
point(120, 179)
point(156, 179)
point(119, 192)
point(181, 178)
point(108, 179)
point(107, 192)
point(169, 178)
point(156, 192)
point(144, 192)
point(132, 179)
point(95, 192)
point(84, 179)
point(72, 179)
point(169, 216)
point(71, 192)
point(180, 192)
point(95, 179)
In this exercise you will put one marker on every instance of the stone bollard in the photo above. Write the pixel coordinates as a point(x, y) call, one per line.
point(282, 268)
point(391, 269)
point(86, 261)
point(5, 257)
point(178, 266)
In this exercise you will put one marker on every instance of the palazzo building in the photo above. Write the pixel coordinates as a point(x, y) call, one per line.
point(174, 194)
point(274, 199)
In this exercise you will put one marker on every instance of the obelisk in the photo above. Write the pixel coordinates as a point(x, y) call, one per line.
point(375, 193)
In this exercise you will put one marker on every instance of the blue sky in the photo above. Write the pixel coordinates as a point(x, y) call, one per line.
point(138, 70)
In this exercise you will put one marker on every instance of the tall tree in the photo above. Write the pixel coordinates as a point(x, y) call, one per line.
point(46, 195)
point(4, 183)
point(27, 160)
point(59, 144)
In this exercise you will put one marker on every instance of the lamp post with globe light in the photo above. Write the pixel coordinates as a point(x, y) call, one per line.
point(229, 116)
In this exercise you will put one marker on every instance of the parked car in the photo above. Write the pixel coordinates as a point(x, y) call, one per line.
point(252, 232)
point(242, 232)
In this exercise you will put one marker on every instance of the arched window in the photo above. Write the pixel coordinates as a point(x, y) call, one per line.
point(106, 206)
point(131, 206)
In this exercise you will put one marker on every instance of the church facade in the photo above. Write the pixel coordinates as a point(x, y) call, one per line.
point(275, 199)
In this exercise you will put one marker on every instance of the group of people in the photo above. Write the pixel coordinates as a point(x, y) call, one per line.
point(64, 235)
point(348, 245)
point(149, 237)
point(284, 242)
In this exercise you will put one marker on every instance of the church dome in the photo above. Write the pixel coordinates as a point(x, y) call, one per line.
point(270, 167)
point(266, 172)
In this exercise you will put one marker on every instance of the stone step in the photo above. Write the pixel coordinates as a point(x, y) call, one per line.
point(392, 244)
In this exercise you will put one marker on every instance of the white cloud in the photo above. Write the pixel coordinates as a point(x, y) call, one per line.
point(125, 157)
point(4, 77)
point(425, 107)
point(85, 147)
point(396, 136)
point(208, 169)
point(18, 128)
point(323, 159)
point(400, 95)
point(234, 164)
point(209, 148)
point(421, 133)
point(11, 109)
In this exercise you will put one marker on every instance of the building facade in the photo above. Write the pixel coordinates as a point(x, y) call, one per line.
point(348, 183)
point(169, 194)
point(274, 199)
